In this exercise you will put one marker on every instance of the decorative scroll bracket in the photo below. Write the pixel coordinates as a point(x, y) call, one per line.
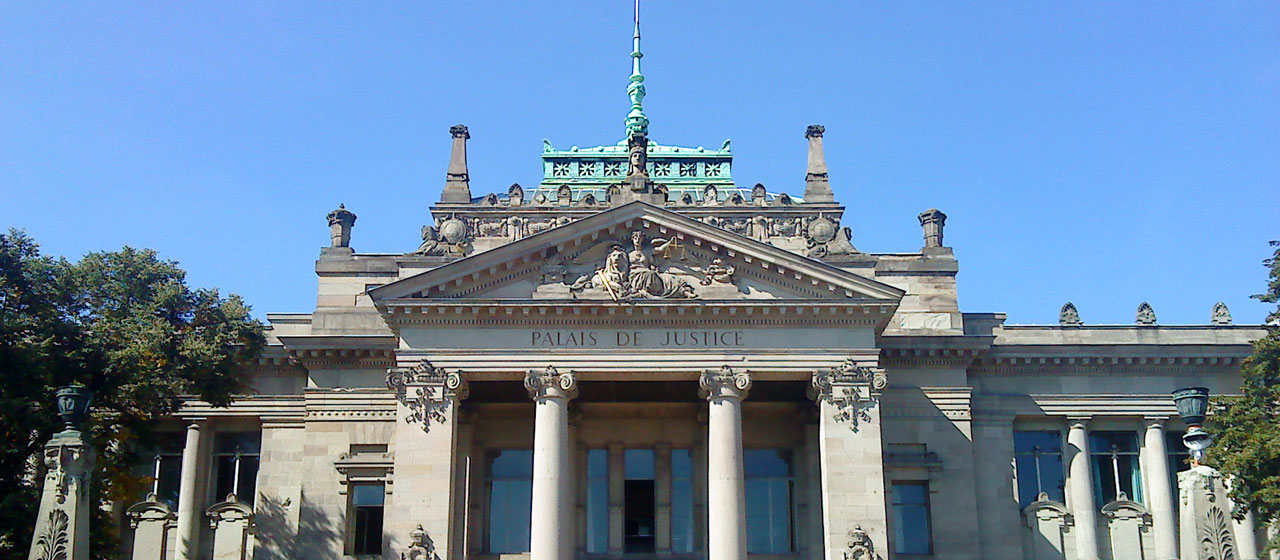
point(427, 391)
point(853, 390)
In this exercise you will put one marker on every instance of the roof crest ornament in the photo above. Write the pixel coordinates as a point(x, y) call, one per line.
point(637, 122)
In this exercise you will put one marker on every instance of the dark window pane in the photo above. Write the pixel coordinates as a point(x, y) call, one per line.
point(243, 442)
point(911, 518)
point(639, 464)
point(367, 495)
point(1042, 441)
point(597, 500)
point(368, 530)
point(769, 500)
point(510, 501)
point(681, 501)
point(1114, 462)
point(170, 480)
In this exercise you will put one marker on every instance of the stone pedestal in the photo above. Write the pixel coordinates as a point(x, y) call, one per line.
point(426, 455)
point(232, 524)
point(62, 526)
point(152, 522)
point(1205, 531)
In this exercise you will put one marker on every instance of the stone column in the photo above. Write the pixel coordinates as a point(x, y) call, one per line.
point(726, 485)
point(420, 511)
point(1246, 535)
point(190, 516)
point(551, 529)
point(1155, 461)
point(1080, 486)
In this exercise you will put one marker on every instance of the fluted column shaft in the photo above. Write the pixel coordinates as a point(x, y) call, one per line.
point(1080, 482)
point(726, 484)
point(1163, 520)
point(550, 531)
point(189, 516)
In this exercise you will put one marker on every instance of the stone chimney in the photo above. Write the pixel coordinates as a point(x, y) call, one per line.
point(816, 186)
point(933, 221)
point(340, 223)
point(457, 184)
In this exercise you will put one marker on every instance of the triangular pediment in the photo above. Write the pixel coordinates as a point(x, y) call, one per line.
point(637, 252)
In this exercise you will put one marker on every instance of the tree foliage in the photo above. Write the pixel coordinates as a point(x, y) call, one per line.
point(127, 325)
point(1247, 447)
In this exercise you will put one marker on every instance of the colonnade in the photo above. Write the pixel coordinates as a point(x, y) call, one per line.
point(1161, 501)
point(552, 489)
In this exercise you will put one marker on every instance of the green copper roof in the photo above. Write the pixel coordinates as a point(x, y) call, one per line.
point(593, 170)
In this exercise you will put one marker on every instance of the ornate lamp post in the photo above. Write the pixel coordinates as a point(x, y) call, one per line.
point(1193, 406)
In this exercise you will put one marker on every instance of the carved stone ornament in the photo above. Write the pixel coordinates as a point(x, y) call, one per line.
point(427, 391)
point(860, 546)
point(150, 509)
point(826, 239)
point(843, 387)
point(1068, 316)
point(420, 546)
point(1217, 541)
point(724, 383)
point(717, 272)
point(452, 238)
point(550, 383)
point(68, 465)
point(625, 276)
point(54, 543)
point(1146, 315)
point(1221, 315)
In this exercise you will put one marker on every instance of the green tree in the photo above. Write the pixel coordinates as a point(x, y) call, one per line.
point(1247, 447)
point(126, 324)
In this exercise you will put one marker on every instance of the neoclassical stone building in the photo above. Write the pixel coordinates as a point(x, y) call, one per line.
point(639, 358)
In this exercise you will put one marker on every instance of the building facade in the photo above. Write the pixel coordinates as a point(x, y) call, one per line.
point(638, 358)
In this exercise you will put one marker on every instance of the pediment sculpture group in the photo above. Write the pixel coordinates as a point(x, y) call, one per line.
point(626, 275)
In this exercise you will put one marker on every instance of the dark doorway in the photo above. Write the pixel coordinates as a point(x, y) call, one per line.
point(638, 502)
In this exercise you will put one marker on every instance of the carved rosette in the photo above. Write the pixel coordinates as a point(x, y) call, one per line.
point(851, 389)
point(551, 383)
point(427, 391)
point(725, 383)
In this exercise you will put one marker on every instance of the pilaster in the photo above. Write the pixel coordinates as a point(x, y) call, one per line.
point(998, 514)
point(852, 458)
point(426, 460)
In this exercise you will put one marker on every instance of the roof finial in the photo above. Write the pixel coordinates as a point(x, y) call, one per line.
point(636, 120)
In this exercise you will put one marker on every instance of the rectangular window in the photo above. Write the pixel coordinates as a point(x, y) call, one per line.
point(161, 468)
point(366, 519)
point(1038, 460)
point(510, 487)
point(235, 457)
point(597, 500)
point(911, 518)
point(638, 501)
point(1114, 460)
point(681, 501)
point(770, 485)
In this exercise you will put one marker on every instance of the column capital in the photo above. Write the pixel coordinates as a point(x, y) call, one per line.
point(1079, 422)
point(724, 383)
point(1154, 422)
point(551, 383)
point(427, 391)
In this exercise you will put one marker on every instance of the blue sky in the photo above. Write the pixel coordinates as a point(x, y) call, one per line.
point(1102, 153)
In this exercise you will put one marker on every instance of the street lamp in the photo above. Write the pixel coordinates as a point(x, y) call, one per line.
point(1193, 406)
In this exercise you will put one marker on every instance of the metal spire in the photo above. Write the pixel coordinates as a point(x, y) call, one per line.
point(637, 122)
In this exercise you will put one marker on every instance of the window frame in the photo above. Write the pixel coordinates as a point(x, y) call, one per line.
point(353, 520)
point(787, 455)
point(898, 523)
point(1097, 457)
point(492, 455)
point(237, 456)
point(1038, 474)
